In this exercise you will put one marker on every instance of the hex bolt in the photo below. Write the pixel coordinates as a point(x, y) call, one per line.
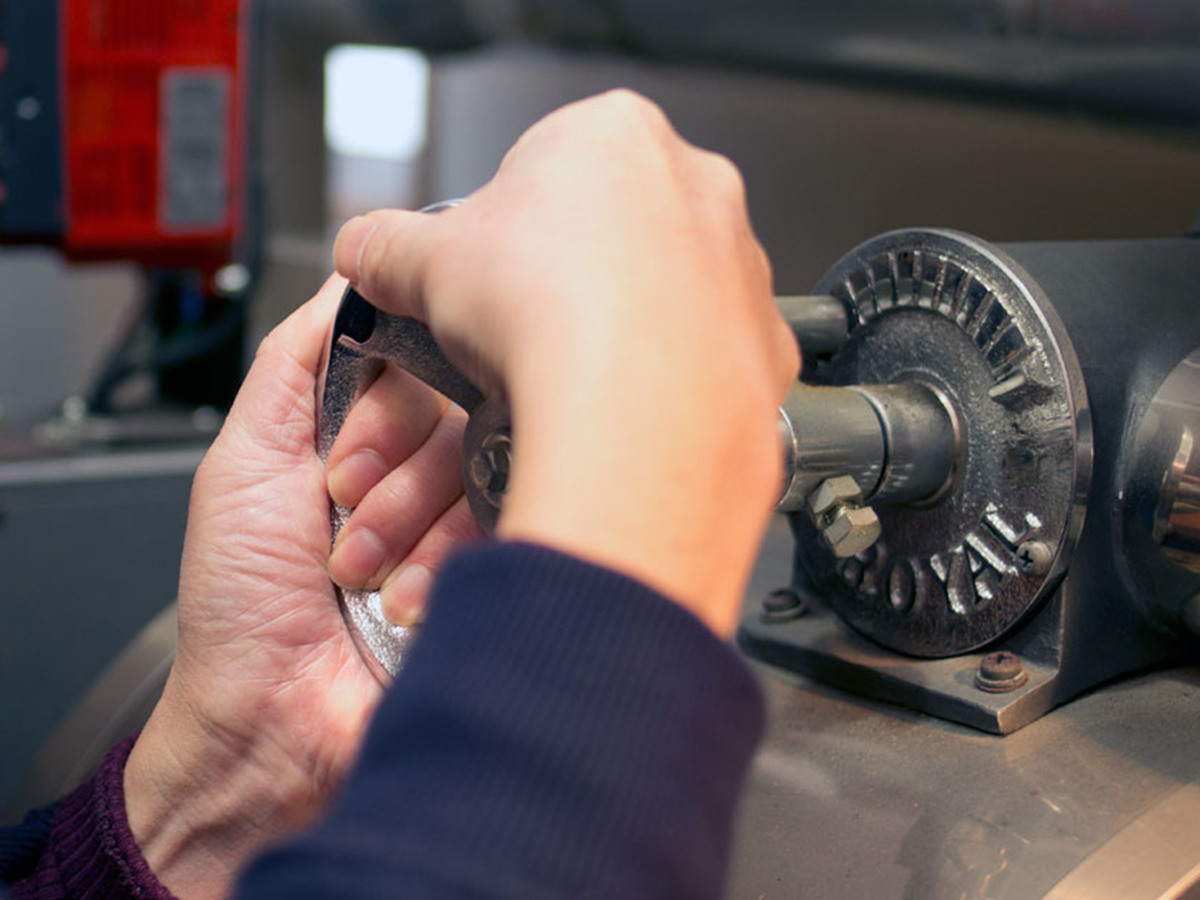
point(1000, 673)
point(1034, 557)
point(852, 530)
point(847, 527)
point(491, 465)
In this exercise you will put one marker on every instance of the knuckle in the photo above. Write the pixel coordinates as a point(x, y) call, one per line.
point(624, 101)
point(378, 249)
point(727, 176)
point(634, 114)
point(384, 507)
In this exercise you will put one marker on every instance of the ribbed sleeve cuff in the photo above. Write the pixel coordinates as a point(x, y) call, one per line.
point(90, 853)
point(559, 730)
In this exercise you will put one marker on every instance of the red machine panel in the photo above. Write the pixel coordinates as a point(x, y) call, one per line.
point(153, 96)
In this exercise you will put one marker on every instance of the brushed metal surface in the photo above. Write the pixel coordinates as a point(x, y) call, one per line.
point(854, 798)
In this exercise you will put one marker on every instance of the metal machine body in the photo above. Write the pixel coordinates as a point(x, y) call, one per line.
point(991, 470)
point(1064, 552)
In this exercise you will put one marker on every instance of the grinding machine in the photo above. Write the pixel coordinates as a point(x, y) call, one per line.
point(991, 476)
point(993, 479)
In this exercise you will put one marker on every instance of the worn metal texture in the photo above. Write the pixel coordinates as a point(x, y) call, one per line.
point(1130, 307)
point(1123, 604)
point(957, 317)
point(364, 340)
point(851, 797)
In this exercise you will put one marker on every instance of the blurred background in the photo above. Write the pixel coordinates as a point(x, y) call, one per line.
point(1012, 119)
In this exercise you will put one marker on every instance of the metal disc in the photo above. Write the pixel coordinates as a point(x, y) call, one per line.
point(957, 315)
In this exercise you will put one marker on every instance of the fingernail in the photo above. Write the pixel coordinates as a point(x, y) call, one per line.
point(356, 557)
point(404, 596)
point(350, 479)
point(349, 246)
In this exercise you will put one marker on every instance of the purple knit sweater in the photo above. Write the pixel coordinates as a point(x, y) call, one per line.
point(90, 853)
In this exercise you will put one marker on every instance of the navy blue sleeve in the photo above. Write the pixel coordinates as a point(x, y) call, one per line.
point(559, 730)
point(21, 845)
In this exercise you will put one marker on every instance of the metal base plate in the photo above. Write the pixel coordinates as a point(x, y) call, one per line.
point(819, 645)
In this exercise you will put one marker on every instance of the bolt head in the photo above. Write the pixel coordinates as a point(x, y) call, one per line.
point(1000, 672)
point(782, 600)
point(1035, 557)
point(783, 605)
point(832, 493)
point(851, 531)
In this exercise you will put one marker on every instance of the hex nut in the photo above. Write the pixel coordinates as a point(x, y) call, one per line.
point(832, 493)
point(490, 467)
point(852, 530)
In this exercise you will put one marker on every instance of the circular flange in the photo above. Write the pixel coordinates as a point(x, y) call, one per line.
point(957, 315)
point(1159, 503)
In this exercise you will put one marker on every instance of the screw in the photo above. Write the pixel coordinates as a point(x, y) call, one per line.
point(491, 465)
point(1000, 672)
point(782, 605)
point(847, 526)
point(1034, 557)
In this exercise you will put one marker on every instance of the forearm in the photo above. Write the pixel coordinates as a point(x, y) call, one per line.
point(560, 730)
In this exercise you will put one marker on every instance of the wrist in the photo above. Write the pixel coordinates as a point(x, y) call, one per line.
point(201, 802)
point(687, 524)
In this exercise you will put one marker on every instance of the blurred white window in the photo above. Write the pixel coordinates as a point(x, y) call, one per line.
point(376, 101)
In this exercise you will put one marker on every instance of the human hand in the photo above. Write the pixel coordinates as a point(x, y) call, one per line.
point(269, 697)
point(607, 283)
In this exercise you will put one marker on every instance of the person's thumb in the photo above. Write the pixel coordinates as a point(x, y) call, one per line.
point(272, 424)
point(385, 255)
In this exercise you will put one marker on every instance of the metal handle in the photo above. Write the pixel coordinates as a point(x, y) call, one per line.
point(364, 340)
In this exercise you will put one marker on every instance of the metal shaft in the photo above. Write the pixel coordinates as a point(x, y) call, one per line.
point(898, 442)
point(819, 322)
